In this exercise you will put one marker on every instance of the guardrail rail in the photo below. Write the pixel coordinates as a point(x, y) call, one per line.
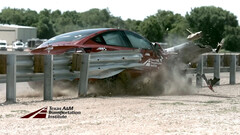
point(26, 67)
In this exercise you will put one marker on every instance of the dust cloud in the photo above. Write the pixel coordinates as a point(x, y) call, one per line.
point(60, 88)
point(177, 82)
point(168, 80)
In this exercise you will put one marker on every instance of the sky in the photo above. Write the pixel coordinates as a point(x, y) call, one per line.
point(133, 9)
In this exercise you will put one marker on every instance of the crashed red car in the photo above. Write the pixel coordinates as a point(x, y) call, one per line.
point(95, 40)
point(110, 39)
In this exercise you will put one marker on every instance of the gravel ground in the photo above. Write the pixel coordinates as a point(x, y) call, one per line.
point(202, 113)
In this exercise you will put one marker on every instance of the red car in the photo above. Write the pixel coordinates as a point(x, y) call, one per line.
point(110, 39)
point(94, 40)
point(101, 39)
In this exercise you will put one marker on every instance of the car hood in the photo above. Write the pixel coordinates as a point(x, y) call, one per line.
point(55, 49)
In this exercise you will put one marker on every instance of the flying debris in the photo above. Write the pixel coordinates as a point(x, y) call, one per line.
point(210, 82)
point(194, 36)
point(219, 46)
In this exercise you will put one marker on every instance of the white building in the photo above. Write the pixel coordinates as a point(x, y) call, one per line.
point(12, 33)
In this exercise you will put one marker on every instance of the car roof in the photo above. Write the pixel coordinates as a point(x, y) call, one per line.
point(3, 41)
point(92, 30)
point(75, 35)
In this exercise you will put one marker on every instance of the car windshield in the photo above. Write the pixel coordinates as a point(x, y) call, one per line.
point(71, 36)
point(2, 43)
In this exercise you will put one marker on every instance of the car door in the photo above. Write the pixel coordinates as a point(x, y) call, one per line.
point(138, 42)
point(111, 40)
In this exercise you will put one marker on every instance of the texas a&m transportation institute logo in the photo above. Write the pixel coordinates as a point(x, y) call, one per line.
point(52, 112)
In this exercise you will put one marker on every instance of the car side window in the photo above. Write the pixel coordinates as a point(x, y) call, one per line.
point(114, 38)
point(99, 40)
point(137, 41)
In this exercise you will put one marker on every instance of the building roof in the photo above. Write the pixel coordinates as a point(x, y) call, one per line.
point(16, 26)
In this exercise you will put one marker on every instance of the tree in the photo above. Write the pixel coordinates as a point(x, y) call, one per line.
point(132, 25)
point(12, 16)
point(94, 18)
point(30, 18)
point(232, 38)
point(151, 29)
point(211, 21)
point(174, 25)
point(19, 17)
point(44, 26)
point(114, 22)
point(65, 22)
point(55, 15)
point(162, 25)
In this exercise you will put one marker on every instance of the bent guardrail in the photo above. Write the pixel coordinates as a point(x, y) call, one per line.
point(27, 67)
point(216, 63)
point(24, 67)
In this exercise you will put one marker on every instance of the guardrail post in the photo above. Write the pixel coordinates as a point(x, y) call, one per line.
point(83, 82)
point(204, 57)
point(233, 70)
point(11, 78)
point(199, 72)
point(217, 65)
point(48, 77)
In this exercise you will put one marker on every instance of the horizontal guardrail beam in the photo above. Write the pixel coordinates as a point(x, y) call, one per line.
point(102, 65)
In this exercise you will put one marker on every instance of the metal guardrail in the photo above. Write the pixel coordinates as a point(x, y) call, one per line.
point(210, 70)
point(233, 63)
point(24, 68)
point(102, 65)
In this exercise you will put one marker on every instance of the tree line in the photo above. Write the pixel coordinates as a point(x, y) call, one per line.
point(164, 26)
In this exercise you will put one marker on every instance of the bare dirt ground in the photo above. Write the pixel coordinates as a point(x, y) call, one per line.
point(202, 113)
